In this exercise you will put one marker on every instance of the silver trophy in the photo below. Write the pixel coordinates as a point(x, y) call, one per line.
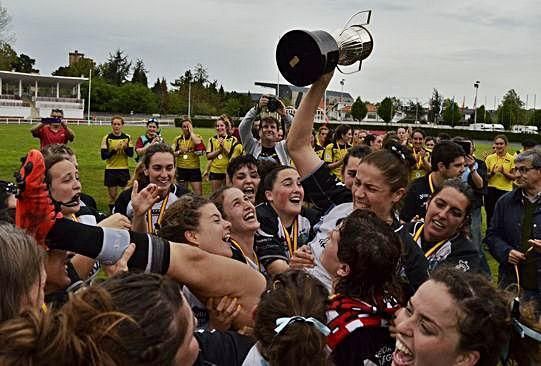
point(303, 56)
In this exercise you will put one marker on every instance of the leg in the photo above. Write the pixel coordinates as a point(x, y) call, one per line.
point(197, 188)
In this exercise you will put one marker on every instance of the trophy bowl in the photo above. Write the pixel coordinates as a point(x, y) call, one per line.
point(303, 56)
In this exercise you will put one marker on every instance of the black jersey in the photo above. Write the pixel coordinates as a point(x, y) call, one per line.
point(457, 251)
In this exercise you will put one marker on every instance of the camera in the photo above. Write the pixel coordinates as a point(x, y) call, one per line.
point(273, 104)
point(49, 120)
point(466, 146)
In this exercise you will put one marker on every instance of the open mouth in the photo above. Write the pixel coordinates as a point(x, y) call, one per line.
point(249, 216)
point(437, 224)
point(296, 200)
point(402, 355)
point(248, 190)
point(226, 236)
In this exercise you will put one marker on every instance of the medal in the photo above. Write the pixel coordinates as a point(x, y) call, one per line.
point(185, 156)
point(220, 156)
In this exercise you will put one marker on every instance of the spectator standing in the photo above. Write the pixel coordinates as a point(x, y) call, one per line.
point(53, 130)
point(500, 167)
point(336, 151)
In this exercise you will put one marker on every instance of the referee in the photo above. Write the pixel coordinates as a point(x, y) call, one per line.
point(116, 147)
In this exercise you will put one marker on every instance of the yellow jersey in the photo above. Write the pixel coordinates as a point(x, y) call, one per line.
point(498, 180)
point(119, 158)
point(189, 159)
point(231, 149)
point(335, 152)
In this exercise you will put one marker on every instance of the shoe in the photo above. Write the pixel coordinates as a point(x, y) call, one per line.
point(35, 210)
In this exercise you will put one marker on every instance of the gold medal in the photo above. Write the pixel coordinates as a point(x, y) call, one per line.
point(185, 156)
point(220, 156)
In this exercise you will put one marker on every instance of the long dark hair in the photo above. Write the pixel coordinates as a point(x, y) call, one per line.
point(372, 251)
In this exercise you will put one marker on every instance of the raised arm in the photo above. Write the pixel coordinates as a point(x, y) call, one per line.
point(35, 130)
point(298, 139)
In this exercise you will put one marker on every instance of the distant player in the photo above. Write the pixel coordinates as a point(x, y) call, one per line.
point(188, 148)
point(116, 147)
point(53, 130)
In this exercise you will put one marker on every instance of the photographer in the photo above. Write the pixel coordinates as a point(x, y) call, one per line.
point(269, 109)
point(53, 130)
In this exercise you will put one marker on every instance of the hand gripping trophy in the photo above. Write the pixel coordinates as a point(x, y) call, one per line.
point(304, 56)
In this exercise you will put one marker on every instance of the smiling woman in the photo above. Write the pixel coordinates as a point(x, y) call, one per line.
point(455, 318)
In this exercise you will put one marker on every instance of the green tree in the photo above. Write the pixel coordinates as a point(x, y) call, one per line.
point(160, 90)
point(385, 110)
point(139, 73)
point(24, 63)
point(81, 67)
point(451, 112)
point(482, 114)
point(535, 118)
point(232, 106)
point(116, 69)
point(358, 109)
point(510, 111)
point(434, 107)
point(8, 56)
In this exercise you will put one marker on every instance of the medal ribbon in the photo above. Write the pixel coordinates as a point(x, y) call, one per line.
point(150, 227)
point(292, 244)
point(237, 245)
point(434, 248)
point(430, 184)
point(74, 218)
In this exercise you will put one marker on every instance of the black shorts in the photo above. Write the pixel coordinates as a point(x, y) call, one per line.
point(116, 177)
point(216, 176)
point(189, 175)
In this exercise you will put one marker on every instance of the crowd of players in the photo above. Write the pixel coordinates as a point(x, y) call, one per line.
point(327, 247)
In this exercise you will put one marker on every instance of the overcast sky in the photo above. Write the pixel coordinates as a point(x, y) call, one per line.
point(418, 44)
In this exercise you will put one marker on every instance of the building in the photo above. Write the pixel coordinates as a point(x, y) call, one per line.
point(75, 57)
point(295, 93)
point(33, 96)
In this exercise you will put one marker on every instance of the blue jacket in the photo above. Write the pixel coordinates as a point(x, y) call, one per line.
point(505, 232)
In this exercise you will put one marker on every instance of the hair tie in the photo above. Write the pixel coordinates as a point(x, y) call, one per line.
point(398, 152)
point(282, 323)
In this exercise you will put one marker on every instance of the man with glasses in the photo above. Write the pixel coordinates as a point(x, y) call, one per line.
point(514, 233)
point(53, 130)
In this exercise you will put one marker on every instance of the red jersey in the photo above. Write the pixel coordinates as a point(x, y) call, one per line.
point(47, 136)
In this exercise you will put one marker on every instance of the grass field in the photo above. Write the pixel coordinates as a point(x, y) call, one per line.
point(16, 140)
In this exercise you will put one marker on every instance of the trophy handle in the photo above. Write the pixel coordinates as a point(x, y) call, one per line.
point(369, 14)
point(348, 72)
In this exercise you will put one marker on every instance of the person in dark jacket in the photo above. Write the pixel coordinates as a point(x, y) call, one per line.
point(514, 233)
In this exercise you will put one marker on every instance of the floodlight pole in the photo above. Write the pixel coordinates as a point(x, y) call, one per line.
point(475, 87)
point(89, 90)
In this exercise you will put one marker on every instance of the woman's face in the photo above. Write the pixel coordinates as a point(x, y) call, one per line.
point(221, 128)
point(350, 171)
point(64, 185)
point(500, 146)
point(36, 295)
point(445, 214)
point(152, 129)
point(161, 170)
point(189, 348)
point(427, 330)
point(247, 180)
point(429, 144)
point(213, 231)
point(116, 126)
point(240, 211)
point(401, 134)
point(417, 141)
point(377, 144)
point(322, 135)
point(329, 256)
point(287, 194)
point(347, 137)
point(56, 267)
point(371, 191)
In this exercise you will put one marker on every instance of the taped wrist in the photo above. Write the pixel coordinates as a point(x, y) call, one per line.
point(151, 254)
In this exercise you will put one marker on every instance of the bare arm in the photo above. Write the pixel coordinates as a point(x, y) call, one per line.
point(69, 131)
point(298, 139)
point(208, 275)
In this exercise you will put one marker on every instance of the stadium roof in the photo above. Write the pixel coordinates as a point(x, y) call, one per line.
point(42, 79)
point(292, 88)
